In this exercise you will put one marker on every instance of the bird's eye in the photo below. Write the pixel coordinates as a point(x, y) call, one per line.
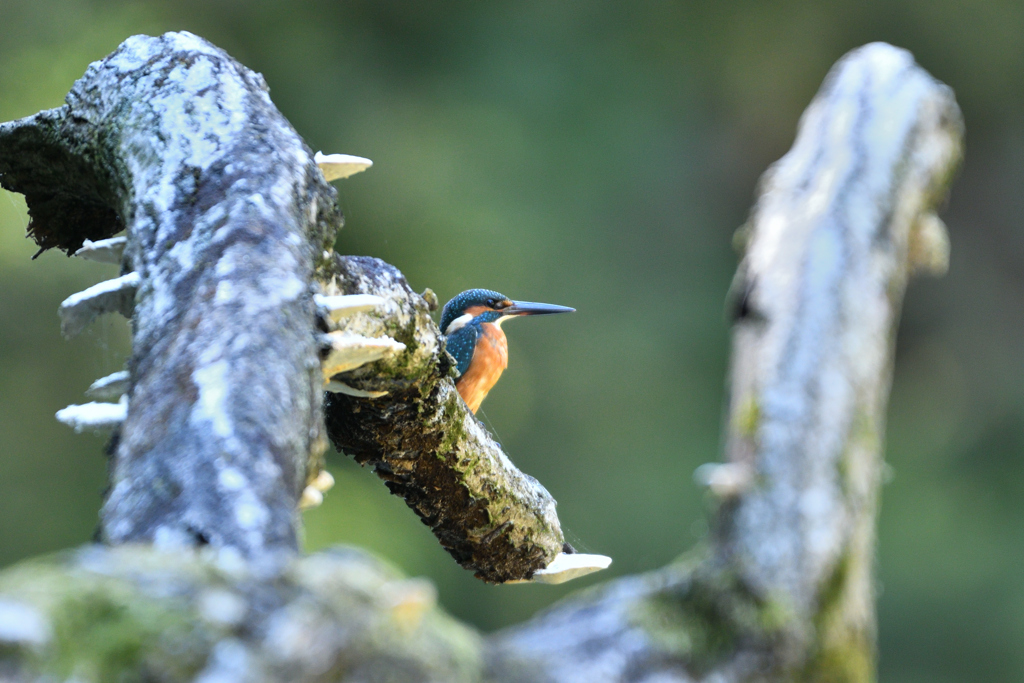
point(492, 303)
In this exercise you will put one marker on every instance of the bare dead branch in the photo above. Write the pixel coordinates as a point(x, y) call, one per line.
point(784, 591)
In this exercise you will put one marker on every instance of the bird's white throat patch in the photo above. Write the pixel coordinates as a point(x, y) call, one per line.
point(458, 323)
point(497, 323)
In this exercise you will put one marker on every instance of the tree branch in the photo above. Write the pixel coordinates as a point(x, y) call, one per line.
point(784, 591)
point(226, 213)
point(133, 613)
point(427, 446)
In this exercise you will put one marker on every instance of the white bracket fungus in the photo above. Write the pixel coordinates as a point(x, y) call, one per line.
point(568, 566)
point(104, 251)
point(94, 417)
point(110, 387)
point(337, 166)
point(79, 310)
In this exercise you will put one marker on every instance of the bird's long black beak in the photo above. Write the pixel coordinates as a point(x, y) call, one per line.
point(531, 308)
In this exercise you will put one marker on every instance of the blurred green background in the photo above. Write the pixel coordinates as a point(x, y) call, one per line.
point(597, 155)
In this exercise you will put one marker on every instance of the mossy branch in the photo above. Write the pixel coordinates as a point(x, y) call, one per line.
point(134, 613)
point(423, 441)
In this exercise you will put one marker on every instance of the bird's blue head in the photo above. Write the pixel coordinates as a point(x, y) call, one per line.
point(486, 305)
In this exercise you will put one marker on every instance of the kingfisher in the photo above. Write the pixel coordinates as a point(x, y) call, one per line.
point(471, 323)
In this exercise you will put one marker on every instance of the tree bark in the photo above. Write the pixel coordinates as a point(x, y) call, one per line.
point(226, 215)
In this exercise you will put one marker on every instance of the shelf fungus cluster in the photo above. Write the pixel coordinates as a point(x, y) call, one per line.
point(81, 309)
point(341, 352)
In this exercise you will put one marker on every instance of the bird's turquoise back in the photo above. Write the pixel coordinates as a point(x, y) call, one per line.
point(461, 344)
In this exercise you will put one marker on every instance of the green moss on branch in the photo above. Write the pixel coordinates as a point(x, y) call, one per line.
point(427, 446)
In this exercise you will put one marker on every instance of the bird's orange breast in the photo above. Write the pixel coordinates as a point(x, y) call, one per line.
point(490, 358)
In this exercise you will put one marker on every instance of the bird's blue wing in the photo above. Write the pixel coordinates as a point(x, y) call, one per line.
point(461, 344)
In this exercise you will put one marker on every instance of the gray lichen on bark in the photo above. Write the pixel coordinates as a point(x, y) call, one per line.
point(785, 591)
point(824, 273)
point(226, 214)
